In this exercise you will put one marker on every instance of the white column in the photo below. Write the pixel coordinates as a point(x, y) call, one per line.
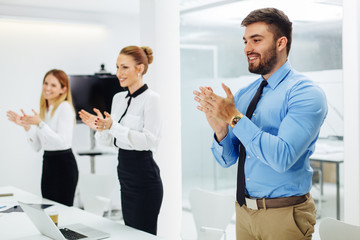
point(159, 29)
point(351, 65)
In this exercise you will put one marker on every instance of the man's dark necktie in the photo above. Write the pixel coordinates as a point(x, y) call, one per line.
point(135, 94)
point(240, 192)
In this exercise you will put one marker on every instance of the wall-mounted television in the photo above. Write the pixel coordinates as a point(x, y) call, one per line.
point(89, 91)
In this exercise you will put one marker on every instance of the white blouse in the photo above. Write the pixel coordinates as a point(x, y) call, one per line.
point(140, 128)
point(56, 133)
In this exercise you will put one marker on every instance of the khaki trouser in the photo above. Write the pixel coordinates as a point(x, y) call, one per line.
point(287, 223)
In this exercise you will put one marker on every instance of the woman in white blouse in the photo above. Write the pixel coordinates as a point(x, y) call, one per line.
point(134, 127)
point(51, 130)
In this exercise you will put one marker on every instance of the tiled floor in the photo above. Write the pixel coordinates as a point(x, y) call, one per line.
point(328, 209)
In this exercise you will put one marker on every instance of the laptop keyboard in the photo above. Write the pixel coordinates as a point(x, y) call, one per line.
point(71, 235)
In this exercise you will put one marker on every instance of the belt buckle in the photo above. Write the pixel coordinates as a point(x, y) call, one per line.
point(251, 203)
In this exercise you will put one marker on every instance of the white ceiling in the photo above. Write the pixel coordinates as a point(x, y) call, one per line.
point(213, 20)
point(231, 12)
point(99, 6)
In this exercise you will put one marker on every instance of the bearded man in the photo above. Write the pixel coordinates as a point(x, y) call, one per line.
point(271, 126)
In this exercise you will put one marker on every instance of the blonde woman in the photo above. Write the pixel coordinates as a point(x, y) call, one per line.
point(134, 128)
point(51, 130)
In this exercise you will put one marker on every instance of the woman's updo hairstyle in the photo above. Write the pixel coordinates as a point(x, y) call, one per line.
point(141, 55)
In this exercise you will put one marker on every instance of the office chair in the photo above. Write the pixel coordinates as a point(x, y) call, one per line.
point(212, 213)
point(332, 229)
point(95, 192)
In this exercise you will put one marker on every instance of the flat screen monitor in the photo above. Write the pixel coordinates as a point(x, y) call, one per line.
point(93, 91)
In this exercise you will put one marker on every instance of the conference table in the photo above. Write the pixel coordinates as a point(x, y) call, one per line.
point(17, 225)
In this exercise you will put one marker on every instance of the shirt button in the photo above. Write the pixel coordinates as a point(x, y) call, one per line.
point(247, 179)
point(253, 114)
point(257, 157)
point(248, 156)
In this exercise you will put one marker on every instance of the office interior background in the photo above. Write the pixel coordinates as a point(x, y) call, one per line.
point(195, 43)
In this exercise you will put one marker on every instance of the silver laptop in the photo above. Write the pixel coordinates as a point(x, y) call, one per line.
point(47, 227)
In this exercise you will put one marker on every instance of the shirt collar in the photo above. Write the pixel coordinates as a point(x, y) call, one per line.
point(137, 92)
point(279, 75)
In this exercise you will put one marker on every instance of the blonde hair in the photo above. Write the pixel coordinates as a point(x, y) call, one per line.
point(141, 55)
point(63, 79)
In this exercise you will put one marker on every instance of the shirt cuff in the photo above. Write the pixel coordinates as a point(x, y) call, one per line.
point(246, 130)
point(216, 145)
point(118, 131)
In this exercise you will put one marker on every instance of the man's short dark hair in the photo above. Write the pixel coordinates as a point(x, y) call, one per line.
point(279, 23)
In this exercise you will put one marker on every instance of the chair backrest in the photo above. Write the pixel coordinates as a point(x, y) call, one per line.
point(332, 229)
point(95, 191)
point(211, 211)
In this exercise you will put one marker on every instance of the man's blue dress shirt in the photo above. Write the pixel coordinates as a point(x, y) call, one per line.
point(279, 138)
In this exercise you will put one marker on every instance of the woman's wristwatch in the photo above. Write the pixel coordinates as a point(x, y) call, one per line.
point(41, 124)
point(235, 119)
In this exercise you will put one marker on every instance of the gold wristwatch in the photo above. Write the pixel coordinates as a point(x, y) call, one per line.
point(235, 119)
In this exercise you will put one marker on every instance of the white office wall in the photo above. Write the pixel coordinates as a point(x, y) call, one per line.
point(351, 58)
point(29, 47)
point(159, 28)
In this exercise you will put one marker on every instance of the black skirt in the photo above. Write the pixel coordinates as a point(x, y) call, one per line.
point(59, 176)
point(141, 189)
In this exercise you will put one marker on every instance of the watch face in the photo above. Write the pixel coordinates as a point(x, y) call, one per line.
point(235, 120)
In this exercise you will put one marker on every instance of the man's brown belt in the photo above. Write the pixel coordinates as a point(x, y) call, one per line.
point(280, 202)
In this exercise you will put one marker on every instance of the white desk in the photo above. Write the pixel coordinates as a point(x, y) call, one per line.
point(334, 158)
point(17, 225)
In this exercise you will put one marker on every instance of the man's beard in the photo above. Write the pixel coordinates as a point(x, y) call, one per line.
point(267, 62)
